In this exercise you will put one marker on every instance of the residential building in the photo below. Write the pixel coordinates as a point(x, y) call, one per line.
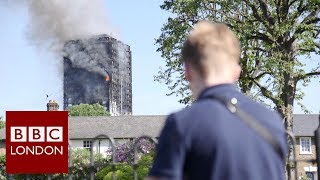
point(83, 129)
point(304, 126)
point(98, 70)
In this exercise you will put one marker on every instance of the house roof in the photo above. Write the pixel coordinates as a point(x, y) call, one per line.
point(113, 126)
point(135, 126)
point(305, 124)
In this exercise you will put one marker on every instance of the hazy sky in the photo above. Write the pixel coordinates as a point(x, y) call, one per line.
point(27, 74)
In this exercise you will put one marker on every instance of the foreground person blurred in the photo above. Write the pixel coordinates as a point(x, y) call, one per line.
point(207, 140)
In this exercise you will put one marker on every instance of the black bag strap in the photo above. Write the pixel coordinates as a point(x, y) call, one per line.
point(252, 123)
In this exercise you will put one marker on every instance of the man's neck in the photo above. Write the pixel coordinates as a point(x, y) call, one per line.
point(202, 85)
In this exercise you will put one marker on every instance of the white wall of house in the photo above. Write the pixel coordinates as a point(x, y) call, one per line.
point(101, 147)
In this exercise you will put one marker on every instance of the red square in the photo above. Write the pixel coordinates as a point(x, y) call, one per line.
point(36, 142)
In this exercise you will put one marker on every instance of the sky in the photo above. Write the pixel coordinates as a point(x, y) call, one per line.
point(27, 73)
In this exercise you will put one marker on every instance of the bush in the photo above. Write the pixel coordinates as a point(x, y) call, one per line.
point(2, 123)
point(124, 156)
point(125, 171)
point(122, 171)
point(2, 167)
point(3, 174)
point(103, 172)
point(124, 153)
point(81, 162)
point(145, 164)
point(80, 166)
point(305, 178)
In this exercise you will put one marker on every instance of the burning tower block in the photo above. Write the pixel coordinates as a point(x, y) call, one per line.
point(98, 70)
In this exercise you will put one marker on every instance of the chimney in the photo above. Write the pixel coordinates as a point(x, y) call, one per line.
point(52, 105)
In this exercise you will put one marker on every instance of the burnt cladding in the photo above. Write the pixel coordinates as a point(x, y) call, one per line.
point(98, 70)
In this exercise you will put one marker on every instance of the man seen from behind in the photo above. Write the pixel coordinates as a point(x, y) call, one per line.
point(206, 140)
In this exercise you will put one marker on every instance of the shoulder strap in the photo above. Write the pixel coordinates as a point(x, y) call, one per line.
point(252, 123)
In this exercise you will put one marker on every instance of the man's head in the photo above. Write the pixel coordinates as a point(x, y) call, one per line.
point(211, 55)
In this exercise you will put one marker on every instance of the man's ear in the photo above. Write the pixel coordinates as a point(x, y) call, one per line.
point(187, 72)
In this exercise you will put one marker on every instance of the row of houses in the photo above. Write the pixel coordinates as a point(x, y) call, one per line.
point(120, 128)
point(124, 128)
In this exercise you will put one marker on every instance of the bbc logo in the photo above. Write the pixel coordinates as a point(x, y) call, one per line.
point(37, 142)
point(36, 134)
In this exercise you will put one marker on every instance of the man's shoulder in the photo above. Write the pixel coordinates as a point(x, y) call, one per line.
point(198, 110)
point(213, 108)
point(195, 108)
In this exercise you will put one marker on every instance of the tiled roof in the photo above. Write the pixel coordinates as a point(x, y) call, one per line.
point(305, 124)
point(113, 126)
point(135, 126)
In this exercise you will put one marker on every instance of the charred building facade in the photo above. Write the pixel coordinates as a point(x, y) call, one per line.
point(98, 70)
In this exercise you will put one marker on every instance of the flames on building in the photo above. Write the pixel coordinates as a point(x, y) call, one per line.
point(98, 70)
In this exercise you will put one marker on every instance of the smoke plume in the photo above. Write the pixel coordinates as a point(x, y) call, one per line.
point(91, 54)
point(53, 22)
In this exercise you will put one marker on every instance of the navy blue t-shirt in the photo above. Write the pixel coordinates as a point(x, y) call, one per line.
point(207, 141)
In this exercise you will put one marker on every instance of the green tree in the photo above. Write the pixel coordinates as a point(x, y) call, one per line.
point(88, 110)
point(2, 123)
point(278, 39)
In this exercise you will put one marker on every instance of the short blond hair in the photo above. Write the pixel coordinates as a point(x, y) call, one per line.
point(207, 43)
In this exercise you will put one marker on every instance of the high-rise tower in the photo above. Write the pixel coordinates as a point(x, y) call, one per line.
point(98, 70)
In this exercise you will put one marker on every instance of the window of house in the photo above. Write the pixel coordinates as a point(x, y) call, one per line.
point(305, 145)
point(87, 144)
